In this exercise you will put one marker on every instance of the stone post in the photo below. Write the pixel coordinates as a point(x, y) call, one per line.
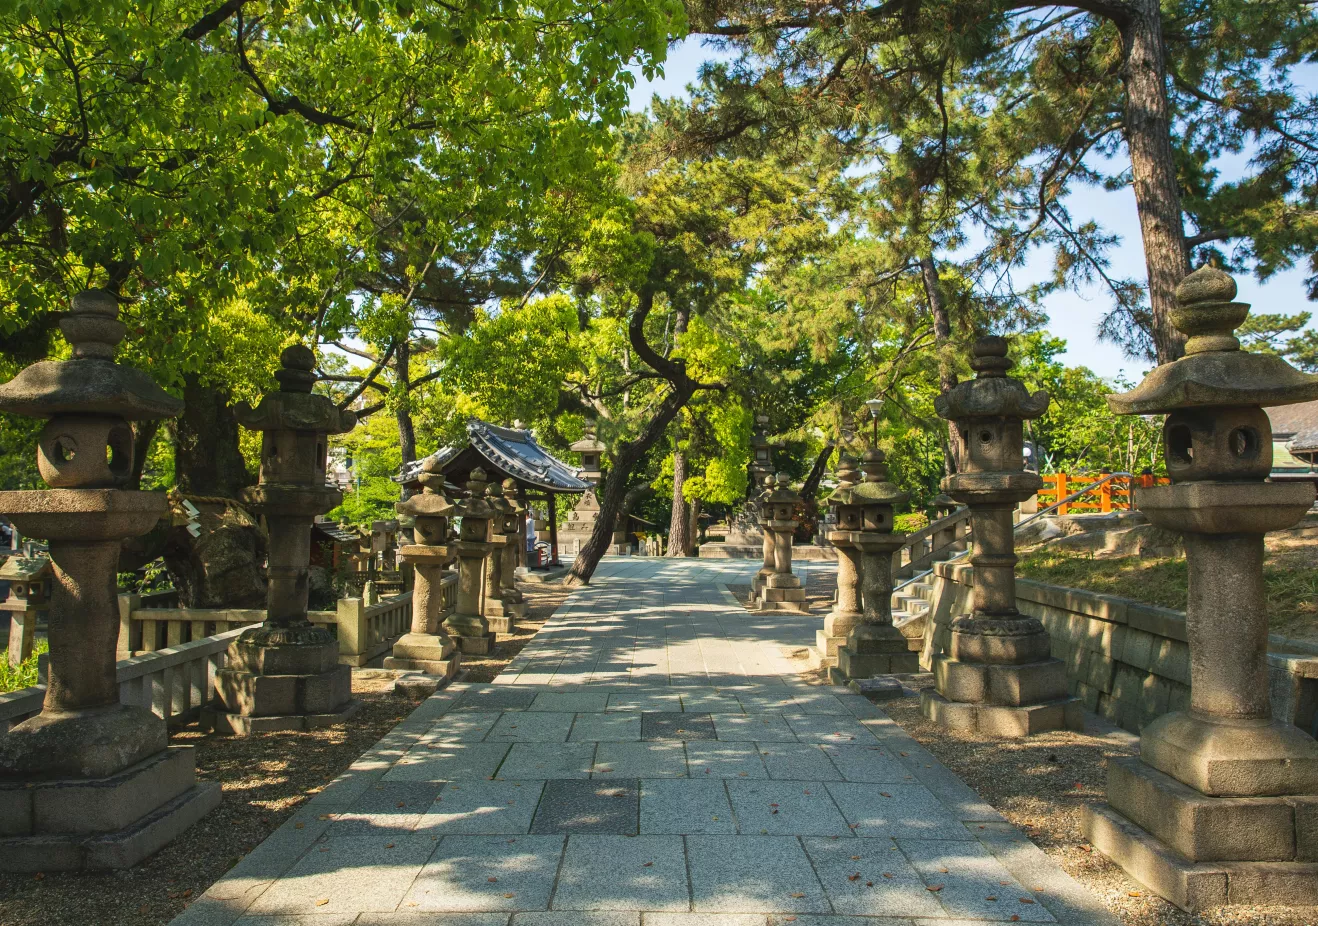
point(782, 590)
point(514, 528)
point(468, 623)
point(496, 610)
point(874, 646)
point(999, 677)
point(89, 782)
point(1222, 804)
point(766, 569)
point(285, 673)
point(427, 648)
point(846, 607)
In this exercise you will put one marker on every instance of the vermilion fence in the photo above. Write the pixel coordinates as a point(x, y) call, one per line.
point(1113, 495)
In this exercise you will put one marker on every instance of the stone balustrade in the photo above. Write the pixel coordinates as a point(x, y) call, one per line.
point(364, 631)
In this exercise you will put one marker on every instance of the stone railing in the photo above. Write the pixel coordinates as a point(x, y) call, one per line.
point(364, 631)
point(173, 682)
point(1126, 660)
point(936, 541)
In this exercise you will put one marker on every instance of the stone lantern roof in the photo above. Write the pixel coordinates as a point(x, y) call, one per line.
point(589, 443)
point(91, 383)
point(294, 407)
point(1214, 370)
point(991, 394)
point(876, 489)
point(430, 502)
point(780, 492)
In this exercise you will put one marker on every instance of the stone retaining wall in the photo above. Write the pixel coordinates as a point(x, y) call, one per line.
point(1127, 661)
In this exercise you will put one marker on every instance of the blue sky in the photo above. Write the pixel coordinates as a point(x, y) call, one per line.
point(1072, 316)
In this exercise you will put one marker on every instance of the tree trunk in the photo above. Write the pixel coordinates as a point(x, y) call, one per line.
point(1153, 169)
point(403, 414)
point(627, 455)
point(679, 524)
point(947, 378)
point(221, 568)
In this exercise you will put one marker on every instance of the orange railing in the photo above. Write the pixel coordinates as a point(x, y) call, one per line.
point(1112, 495)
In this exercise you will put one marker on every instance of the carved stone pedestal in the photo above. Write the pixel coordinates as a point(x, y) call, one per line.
point(426, 648)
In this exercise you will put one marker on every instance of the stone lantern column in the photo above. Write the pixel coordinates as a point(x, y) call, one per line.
point(468, 623)
point(846, 609)
point(514, 528)
point(874, 646)
point(496, 610)
point(999, 677)
point(427, 648)
point(89, 782)
point(1222, 804)
point(782, 590)
point(285, 673)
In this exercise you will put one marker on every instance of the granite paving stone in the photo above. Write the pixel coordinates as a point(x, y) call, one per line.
point(753, 874)
point(724, 760)
point(613, 727)
point(432, 919)
point(786, 808)
point(576, 918)
point(904, 811)
point(709, 701)
point(753, 728)
point(685, 806)
point(531, 727)
point(547, 760)
point(645, 700)
point(870, 877)
point(640, 760)
point(448, 762)
point(570, 702)
point(656, 725)
point(798, 761)
point(866, 763)
point(393, 806)
point(588, 806)
point(707, 919)
point(970, 875)
point(348, 874)
point(487, 873)
point(833, 729)
point(494, 698)
point(482, 807)
point(463, 727)
point(622, 873)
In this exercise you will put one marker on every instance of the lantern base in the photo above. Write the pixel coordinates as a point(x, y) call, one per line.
point(1196, 886)
point(113, 821)
point(1241, 758)
point(81, 744)
point(233, 724)
point(431, 653)
point(865, 656)
point(281, 685)
point(1002, 720)
point(782, 599)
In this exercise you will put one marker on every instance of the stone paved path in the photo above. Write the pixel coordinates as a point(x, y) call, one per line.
point(650, 759)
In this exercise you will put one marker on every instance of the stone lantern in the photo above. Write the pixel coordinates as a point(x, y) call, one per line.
point(874, 646)
point(999, 677)
point(29, 584)
point(1222, 804)
point(284, 674)
point(782, 590)
point(592, 455)
point(89, 782)
point(427, 648)
point(762, 452)
point(514, 528)
point(846, 609)
point(766, 538)
point(467, 623)
point(496, 610)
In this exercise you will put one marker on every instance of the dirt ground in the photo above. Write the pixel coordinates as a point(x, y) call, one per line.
point(264, 779)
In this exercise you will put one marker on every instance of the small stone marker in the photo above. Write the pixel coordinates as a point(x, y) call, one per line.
point(880, 687)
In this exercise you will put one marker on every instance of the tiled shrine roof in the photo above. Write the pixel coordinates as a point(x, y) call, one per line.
point(512, 452)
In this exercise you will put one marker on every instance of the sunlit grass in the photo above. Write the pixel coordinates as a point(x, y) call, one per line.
point(25, 674)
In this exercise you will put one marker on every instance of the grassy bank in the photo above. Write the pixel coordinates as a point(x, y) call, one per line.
point(1290, 576)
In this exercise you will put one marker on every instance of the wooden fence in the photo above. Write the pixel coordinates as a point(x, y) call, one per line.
point(1114, 495)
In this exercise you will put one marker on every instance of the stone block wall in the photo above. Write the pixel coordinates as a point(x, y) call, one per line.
point(1127, 661)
